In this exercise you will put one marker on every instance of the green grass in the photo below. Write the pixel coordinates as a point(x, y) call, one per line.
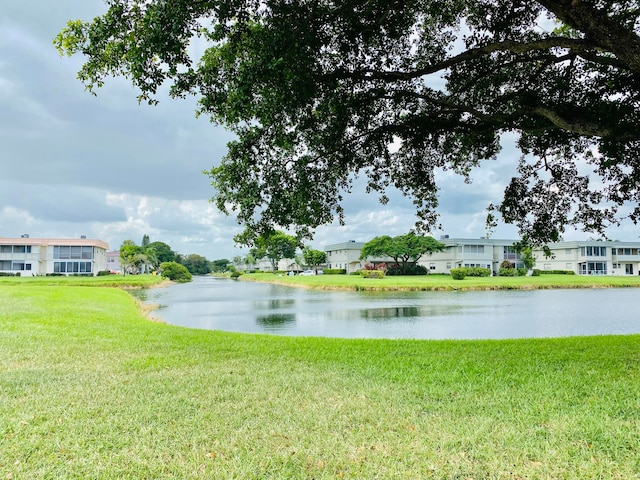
point(120, 281)
point(445, 282)
point(90, 389)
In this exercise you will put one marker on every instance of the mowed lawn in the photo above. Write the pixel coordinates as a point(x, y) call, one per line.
point(445, 282)
point(91, 389)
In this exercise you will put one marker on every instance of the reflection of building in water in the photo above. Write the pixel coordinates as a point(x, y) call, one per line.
point(589, 257)
point(41, 256)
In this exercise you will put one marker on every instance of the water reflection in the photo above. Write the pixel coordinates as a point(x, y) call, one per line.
point(275, 320)
point(220, 304)
point(274, 304)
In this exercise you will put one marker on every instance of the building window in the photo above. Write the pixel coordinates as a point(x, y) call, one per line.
point(593, 268)
point(15, 248)
point(72, 267)
point(448, 265)
point(594, 251)
point(5, 264)
point(474, 249)
point(510, 253)
point(569, 266)
point(567, 251)
point(547, 266)
point(61, 252)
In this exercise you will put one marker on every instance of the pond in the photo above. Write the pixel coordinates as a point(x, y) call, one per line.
point(222, 304)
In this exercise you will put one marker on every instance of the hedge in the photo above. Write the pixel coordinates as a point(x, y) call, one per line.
point(372, 273)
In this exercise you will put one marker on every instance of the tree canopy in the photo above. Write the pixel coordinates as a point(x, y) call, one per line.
point(403, 248)
point(318, 91)
point(313, 258)
point(275, 246)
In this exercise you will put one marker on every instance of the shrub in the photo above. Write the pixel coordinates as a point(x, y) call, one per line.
point(507, 264)
point(410, 270)
point(536, 272)
point(335, 271)
point(103, 273)
point(458, 273)
point(557, 272)
point(9, 274)
point(175, 272)
point(372, 273)
point(478, 272)
point(235, 274)
point(508, 272)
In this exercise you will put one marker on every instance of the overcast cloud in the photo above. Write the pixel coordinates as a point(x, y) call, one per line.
point(73, 164)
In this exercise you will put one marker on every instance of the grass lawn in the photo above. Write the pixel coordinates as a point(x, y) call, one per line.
point(444, 282)
point(90, 389)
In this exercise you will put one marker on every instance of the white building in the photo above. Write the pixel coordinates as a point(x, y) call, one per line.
point(345, 255)
point(41, 256)
point(590, 257)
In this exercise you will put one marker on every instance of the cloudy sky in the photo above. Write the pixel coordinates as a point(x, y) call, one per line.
point(73, 164)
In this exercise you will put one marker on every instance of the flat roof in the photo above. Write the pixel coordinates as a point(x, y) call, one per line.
point(66, 242)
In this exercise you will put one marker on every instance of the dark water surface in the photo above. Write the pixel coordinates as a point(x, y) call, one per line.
point(223, 304)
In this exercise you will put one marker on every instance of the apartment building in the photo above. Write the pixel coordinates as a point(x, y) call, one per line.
point(41, 256)
point(589, 257)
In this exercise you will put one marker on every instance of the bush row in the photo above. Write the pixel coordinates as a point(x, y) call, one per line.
point(557, 272)
point(372, 273)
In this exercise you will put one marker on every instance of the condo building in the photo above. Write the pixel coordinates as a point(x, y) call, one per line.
point(589, 257)
point(41, 256)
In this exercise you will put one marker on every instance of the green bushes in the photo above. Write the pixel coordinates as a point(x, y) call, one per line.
point(478, 272)
point(458, 273)
point(175, 272)
point(235, 274)
point(103, 273)
point(372, 273)
point(395, 269)
point(9, 274)
point(557, 272)
point(334, 271)
point(463, 272)
point(512, 272)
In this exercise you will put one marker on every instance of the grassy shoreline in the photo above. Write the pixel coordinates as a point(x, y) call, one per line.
point(90, 389)
point(444, 282)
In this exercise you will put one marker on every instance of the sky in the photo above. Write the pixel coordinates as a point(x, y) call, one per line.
point(106, 167)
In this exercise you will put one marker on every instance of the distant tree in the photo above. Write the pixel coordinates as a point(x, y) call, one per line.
point(132, 257)
point(403, 248)
point(314, 258)
point(219, 265)
point(275, 246)
point(175, 272)
point(145, 241)
point(526, 254)
point(162, 252)
point(196, 264)
point(250, 261)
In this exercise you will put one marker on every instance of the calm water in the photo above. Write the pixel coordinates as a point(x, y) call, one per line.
point(222, 304)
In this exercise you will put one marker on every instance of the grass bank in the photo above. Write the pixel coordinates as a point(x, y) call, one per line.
point(118, 281)
point(445, 282)
point(89, 389)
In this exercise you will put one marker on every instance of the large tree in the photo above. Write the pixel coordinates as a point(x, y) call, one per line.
point(403, 248)
point(314, 258)
point(275, 246)
point(162, 251)
point(317, 91)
